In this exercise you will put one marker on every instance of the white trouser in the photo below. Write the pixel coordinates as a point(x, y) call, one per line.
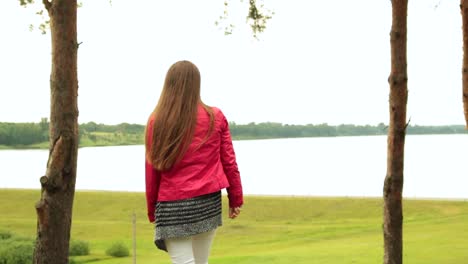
point(190, 250)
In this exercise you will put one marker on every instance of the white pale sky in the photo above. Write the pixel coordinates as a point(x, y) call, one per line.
point(318, 61)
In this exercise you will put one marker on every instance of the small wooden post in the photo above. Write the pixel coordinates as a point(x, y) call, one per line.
point(134, 237)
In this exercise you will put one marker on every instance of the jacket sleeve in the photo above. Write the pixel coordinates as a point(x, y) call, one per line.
point(228, 159)
point(152, 180)
point(152, 188)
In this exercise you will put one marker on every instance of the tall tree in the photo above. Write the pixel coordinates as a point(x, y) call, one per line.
point(464, 13)
point(393, 185)
point(54, 209)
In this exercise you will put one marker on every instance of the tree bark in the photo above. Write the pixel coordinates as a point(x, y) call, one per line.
point(464, 13)
point(54, 209)
point(393, 185)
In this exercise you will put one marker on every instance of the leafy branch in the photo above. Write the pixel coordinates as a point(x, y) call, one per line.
point(257, 17)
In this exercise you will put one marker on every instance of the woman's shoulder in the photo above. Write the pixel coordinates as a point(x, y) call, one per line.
point(150, 120)
point(217, 111)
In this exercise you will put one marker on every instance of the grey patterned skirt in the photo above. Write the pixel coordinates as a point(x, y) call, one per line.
point(187, 217)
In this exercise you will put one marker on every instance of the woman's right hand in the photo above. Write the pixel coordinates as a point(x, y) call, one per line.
point(234, 212)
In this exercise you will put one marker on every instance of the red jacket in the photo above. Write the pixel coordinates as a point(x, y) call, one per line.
point(202, 170)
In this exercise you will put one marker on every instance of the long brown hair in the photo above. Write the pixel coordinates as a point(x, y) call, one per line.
point(175, 116)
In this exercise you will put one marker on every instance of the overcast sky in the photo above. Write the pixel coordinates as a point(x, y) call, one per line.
point(317, 62)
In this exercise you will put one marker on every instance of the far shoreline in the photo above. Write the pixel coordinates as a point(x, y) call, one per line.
point(45, 145)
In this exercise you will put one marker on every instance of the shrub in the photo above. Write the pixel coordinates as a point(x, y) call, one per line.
point(3, 250)
point(5, 235)
point(16, 251)
point(118, 249)
point(79, 248)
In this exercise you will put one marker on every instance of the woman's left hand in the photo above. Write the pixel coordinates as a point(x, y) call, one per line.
point(234, 212)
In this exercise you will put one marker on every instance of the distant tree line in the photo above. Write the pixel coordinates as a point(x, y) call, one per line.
point(279, 130)
point(23, 134)
point(12, 134)
point(120, 128)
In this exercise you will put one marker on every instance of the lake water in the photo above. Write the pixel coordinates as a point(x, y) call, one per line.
point(435, 167)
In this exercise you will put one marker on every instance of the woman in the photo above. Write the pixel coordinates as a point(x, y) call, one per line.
point(189, 159)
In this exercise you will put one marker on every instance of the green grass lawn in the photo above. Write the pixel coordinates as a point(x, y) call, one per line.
point(269, 230)
point(93, 139)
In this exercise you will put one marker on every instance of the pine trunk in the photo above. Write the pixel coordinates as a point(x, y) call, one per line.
point(464, 13)
point(393, 186)
point(54, 209)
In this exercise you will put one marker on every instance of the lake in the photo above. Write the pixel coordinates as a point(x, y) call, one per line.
point(435, 167)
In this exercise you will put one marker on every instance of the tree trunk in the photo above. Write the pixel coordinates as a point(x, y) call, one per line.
point(54, 209)
point(393, 186)
point(464, 13)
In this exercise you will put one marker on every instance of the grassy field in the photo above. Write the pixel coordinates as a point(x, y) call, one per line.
point(93, 139)
point(270, 230)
